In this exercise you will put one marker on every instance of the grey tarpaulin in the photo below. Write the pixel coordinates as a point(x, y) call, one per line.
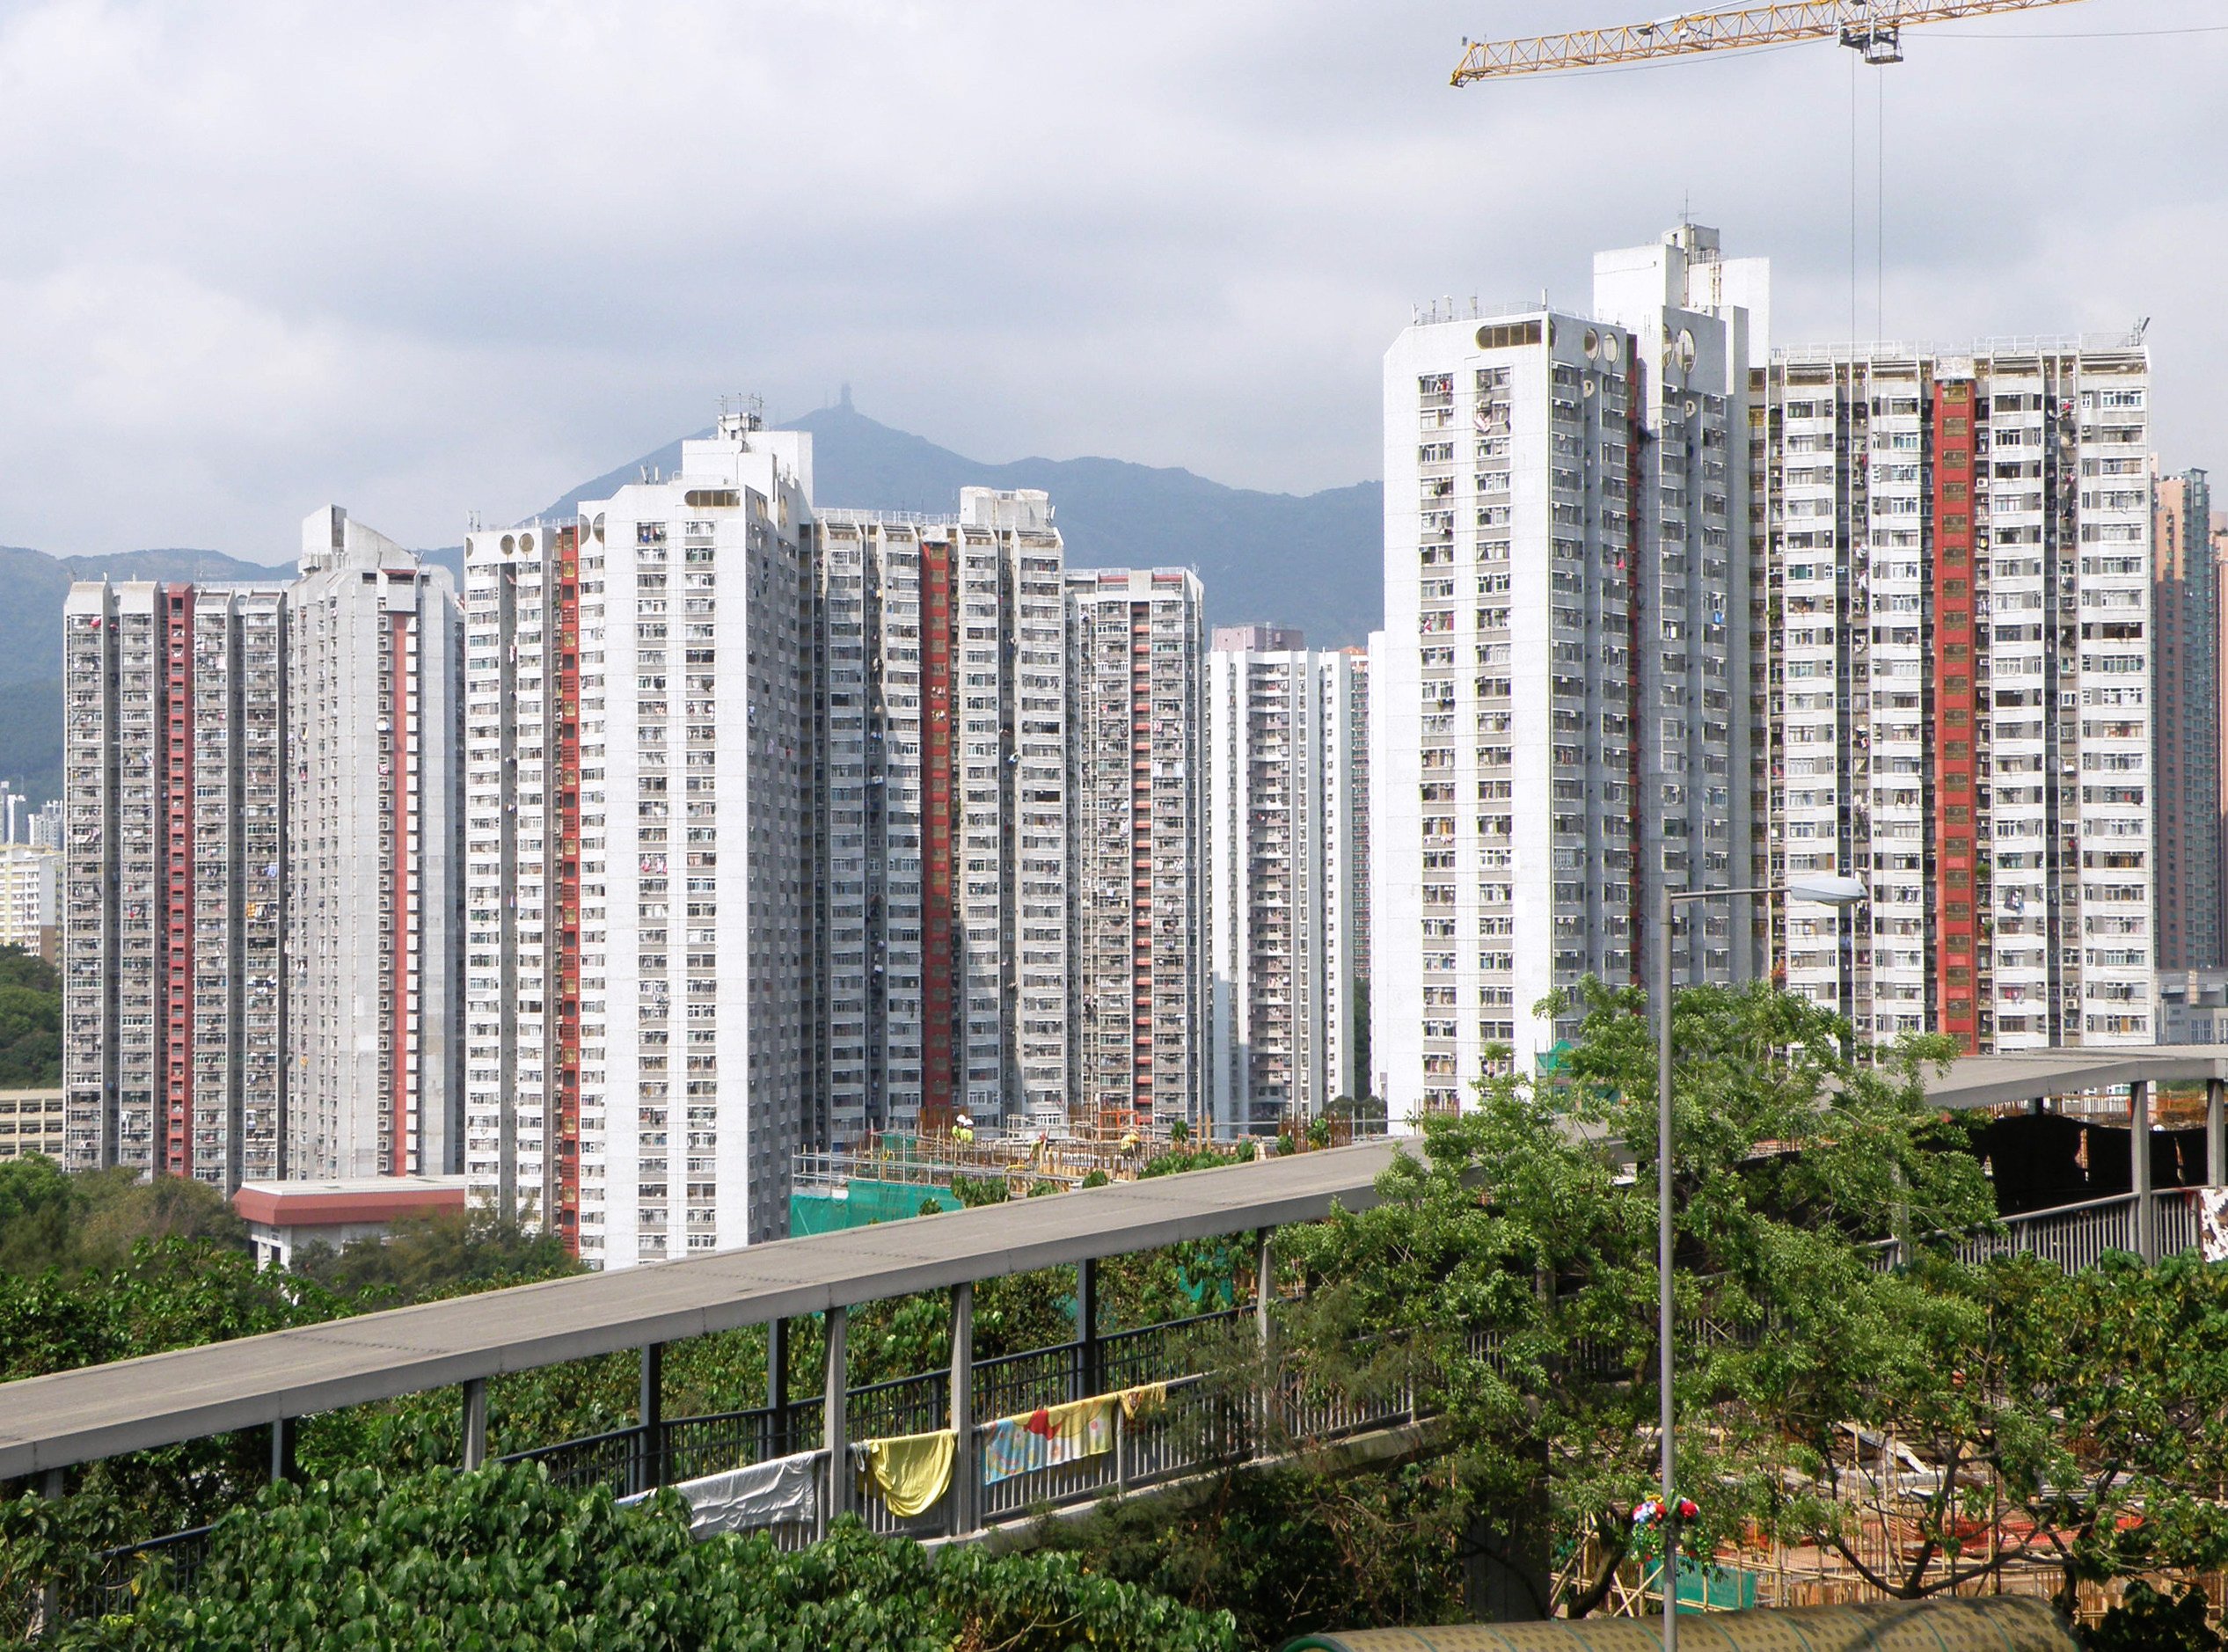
point(745, 1499)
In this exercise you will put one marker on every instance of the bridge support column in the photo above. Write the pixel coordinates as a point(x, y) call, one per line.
point(649, 1419)
point(1090, 1376)
point(2215, 1133)
point(475, 1424)
point(776, 1441)
point(2146, 1211)
point(965, 1477)
point(834, 1430)
point(52, 1487)
point(1265, 1331)
point(281, 1450)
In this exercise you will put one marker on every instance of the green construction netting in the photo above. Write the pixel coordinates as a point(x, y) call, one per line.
point(864, 1202)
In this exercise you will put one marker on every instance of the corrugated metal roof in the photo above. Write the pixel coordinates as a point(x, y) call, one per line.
point(1999, 1623)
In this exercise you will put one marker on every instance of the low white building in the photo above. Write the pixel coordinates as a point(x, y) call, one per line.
point(282, 1216)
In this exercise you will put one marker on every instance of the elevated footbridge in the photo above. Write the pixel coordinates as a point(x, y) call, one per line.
point(48, 1424)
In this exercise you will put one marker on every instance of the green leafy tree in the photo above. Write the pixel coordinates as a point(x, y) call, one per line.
point(1286, 1552)
point(93, 1220)
point(1510, 1271)
point(38, 1207)
point(442, 1253)
point(30, 1021)
point(502, 1559)
point(2149, 1621)
point(2076, 1422)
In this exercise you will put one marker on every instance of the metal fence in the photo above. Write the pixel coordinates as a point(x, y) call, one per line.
point(2075, 1236)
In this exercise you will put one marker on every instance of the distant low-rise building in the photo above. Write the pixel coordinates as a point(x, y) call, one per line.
point(32, 1121)
point(30, 899)
point(284, 1217)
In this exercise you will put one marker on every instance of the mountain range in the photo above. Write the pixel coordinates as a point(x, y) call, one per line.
point(1311, 560)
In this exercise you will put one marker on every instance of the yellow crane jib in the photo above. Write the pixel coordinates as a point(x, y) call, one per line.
point(1871, 26)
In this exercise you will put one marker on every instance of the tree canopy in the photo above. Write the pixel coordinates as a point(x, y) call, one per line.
point(30, 1021)
point(502, 1559)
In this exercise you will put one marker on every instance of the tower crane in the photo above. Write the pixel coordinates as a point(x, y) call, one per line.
point(1873, 27)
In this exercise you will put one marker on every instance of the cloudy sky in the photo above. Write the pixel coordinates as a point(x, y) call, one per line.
point(429, 259)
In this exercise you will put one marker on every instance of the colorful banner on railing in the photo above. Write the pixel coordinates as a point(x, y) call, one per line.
point(2212, 1224)
point(1047, 1437)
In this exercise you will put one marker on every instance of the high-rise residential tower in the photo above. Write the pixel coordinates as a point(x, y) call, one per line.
point(641, 835)
point(1559, 700)
point(1287, 744)
point(174, 885)
point(2186, 723)
point(1960, 660)
point(1701, 323)
point(944, 788)
point(375, 1079)
point(1137, 645)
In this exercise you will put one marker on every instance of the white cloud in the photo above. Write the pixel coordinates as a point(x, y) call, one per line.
point(427, 258)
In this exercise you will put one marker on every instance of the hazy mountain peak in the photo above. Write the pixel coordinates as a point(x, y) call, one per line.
point(1311, 560)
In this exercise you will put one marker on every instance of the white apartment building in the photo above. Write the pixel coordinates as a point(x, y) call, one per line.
point(1286, 807)
point(522, 1029)
point(640, 730)
point(30, 899)
point(1701, 322)
point(1960, 661)
point(374, 676)
point(1136, 1032)
point(174, 977)
point(944, 789)
point(1560, 718)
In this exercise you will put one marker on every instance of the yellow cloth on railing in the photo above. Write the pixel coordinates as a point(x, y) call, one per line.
point(1143, 1400)
point(911, 1471)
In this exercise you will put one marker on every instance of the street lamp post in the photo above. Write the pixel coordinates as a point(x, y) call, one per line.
point(1825, 889)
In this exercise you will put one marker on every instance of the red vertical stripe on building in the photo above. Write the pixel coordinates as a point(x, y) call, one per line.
point(936, 838)
point(177, 1148)
point(1956, 866)
point(566, 1138)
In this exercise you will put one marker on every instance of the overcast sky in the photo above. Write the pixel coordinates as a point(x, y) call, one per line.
point(424, 260)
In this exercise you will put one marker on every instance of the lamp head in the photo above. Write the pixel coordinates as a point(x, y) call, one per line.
point(1826, 888)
